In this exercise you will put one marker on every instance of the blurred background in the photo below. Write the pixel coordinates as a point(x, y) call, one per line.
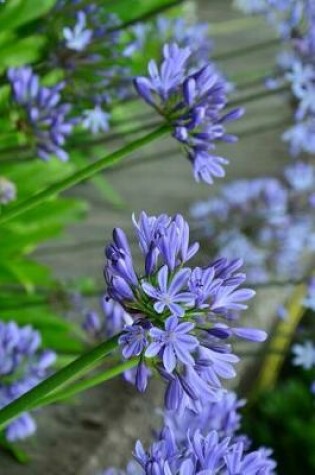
point(100, 427)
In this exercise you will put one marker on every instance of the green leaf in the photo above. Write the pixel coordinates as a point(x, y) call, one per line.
point(40, 318)
point(15, 13)
point(18, 52)
point(26, 272)
point(16, 452)
point(62, 342)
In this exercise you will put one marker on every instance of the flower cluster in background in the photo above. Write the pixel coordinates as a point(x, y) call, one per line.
point(7, 191)
point(42, 116)
point(92, 52)
point(266, 221)
point(202, 440)
point(179, 30)
point(192, 104)
point(284, 15)
point(184, 319)
point(22, 366)
point(286, 252)
point(295, 22)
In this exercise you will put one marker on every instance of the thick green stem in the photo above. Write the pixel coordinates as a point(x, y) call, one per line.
point(56, 381)
point(81, 175)
point(81, 386)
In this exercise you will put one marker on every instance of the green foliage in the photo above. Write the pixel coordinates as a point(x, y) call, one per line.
point(16, 13)
point(284, 419)
point(15, 50)
point(140, 8)
point(21, 236)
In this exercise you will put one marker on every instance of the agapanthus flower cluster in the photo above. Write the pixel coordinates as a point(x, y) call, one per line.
point(192, 105)
point(266, 221)
point(178, 30)
point(95, 56)
point(42, 116)
point(7, 191)
point(222, 415)
point(295, 20)
point(183, 317)
point(193, 442)
point(112, 321)
point(285, 15)
point(23, 365)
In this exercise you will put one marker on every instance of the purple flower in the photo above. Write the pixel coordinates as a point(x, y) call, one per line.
point(119, 258)
point(92, 323)
point(79, 37)
point(200, 454)
point(192, 105)
point(222, 416)
point(20, 428)
point(169, 294)
point(7, 191)
point(46, 118)
point(133, 341)
point(231, 298)
point(23, 365)
point(237, 461)
point(196, 352)
point(201, 440)
point(252, 334)
point(96, 120)
point(175, 343)
point(164, 238)
point(170, 76)
point(264, 221)
point(203, 285)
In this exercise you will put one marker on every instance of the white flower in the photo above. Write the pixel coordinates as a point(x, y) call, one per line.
point(304, 355)
point(7, 191)
point(96, 120)
point(78, 38)
point(300, 76)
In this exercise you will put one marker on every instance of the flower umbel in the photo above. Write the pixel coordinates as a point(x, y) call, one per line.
point(22, 366)
point(192, 104)
point(182, 317)
point(203, 441)
point(44, 118)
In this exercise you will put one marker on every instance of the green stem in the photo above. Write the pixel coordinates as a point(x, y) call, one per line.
point(82, 175)
point(147, 15)
point(57, 380)
point(81, 386)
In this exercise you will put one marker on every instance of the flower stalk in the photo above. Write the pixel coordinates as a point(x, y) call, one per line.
point(73, 370)
point(83, 174)
point(89, 383)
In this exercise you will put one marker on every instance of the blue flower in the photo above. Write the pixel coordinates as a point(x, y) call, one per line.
point(304, 355)
point(133, 341)
point(192, 105)
point(96, 120)
point(170, 295)
point(175, 343)
point(191, 355)
point(78, 37)
point(45, 117)
point(23, 365)
point(165, 238)
point(301, 176)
